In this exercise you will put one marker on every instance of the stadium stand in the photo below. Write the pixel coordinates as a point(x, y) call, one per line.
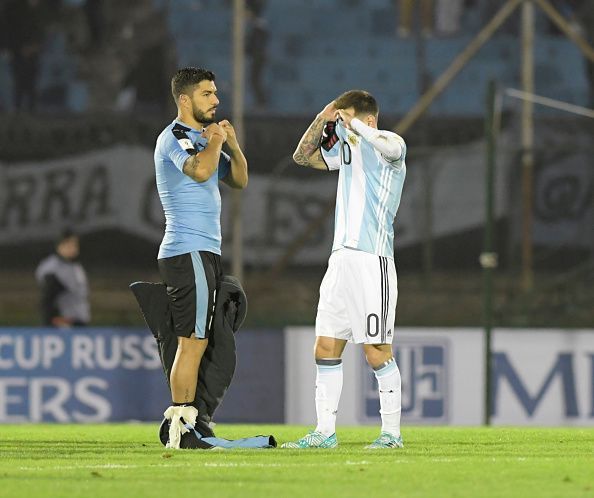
point(301, 43)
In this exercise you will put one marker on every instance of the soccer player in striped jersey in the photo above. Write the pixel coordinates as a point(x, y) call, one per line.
point(359, 290)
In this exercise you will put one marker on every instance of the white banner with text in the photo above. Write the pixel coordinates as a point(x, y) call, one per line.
point(539, 377)
point(115, 188)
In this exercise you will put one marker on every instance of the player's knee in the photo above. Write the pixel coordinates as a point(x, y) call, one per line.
point(376, 357)
point(190, 346)
point(324, 349)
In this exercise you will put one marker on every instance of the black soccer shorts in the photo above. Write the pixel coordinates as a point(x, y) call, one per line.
point(192, 280)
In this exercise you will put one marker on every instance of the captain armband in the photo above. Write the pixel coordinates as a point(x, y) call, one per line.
point(329, 136)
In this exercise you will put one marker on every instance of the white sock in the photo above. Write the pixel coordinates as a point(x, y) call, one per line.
point(328, 389)
point(388, 378)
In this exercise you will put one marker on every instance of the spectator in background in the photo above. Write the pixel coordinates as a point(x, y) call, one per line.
point(405, 23)
point(22, 32)
point(95, 16)
point(147, 83)
point(63, 284)
point(256, 48)
point(447, 17)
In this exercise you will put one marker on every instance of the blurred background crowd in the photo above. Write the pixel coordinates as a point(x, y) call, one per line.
point(84, 91)
point(78, 56)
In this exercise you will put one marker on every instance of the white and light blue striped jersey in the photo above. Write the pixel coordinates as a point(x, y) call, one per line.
point(368, 193)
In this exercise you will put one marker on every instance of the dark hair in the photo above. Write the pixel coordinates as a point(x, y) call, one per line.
point(360, 100)
point(187, 77)
point(65, 234)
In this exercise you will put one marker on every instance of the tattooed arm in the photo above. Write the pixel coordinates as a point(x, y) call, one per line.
point(202, 165)
point(308, 151)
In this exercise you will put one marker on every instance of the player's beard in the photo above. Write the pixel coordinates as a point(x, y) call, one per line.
point(202, 117)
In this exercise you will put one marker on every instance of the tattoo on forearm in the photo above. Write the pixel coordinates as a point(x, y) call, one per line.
point(191, 165)
point(310, 141)
point(318, 157)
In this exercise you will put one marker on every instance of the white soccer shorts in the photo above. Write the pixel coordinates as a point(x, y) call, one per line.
point(358, 298)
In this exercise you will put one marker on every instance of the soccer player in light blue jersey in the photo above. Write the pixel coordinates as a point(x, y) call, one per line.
point(359, 290)
point(189, 162)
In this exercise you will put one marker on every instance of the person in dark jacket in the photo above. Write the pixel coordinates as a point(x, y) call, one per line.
point(22, 32)
point(256, 46)
point(64, 285)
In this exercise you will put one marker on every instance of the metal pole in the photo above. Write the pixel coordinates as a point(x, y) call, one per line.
point(237, 116)
point(456, 66)
point(548, 102)
point(564, 26)
point(527, 143)
point(427, 169)
point(423, 84)
point(488, 257)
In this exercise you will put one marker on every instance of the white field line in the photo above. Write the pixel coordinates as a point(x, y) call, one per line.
point(192, 464)
point(221, 465)
point(177, 465)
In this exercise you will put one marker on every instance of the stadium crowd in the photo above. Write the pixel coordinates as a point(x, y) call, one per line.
point(103, 55)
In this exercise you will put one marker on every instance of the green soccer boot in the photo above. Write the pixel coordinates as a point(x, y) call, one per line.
point(386, 440)
point(313, 439)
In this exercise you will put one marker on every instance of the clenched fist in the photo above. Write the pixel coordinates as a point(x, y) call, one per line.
point(230, 132)
point(213, 130)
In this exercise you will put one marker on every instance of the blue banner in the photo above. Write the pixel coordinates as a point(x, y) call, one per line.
point(80, 375)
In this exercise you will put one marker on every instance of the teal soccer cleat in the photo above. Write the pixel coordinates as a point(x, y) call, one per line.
point(386, 440)
point(313, 439)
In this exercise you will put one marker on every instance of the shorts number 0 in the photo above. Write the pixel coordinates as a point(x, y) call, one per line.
point(372, 325)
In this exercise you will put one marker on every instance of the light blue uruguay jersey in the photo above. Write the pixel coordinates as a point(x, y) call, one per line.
point(368, 193)
point(192, 209)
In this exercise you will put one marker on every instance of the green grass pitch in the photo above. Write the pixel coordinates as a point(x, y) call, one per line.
point(127, 461)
